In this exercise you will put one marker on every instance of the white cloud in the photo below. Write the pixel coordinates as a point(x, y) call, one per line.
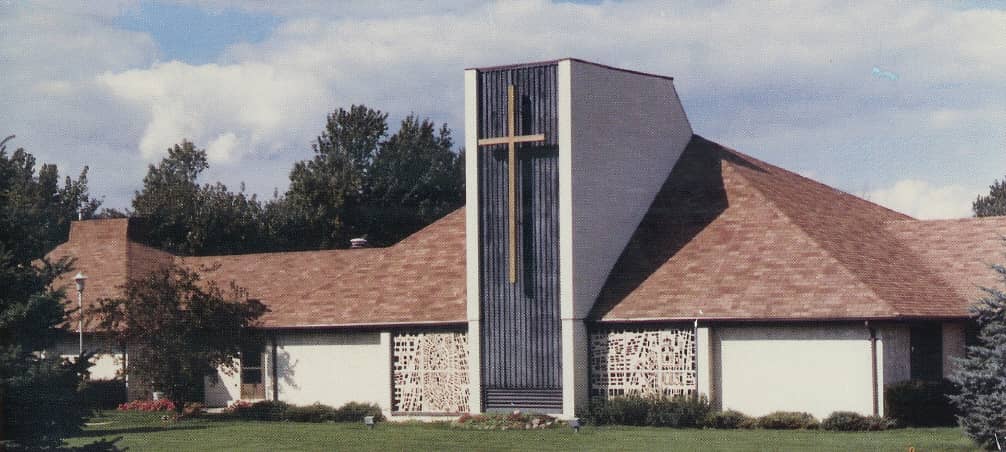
point(923, 200)
point(788, 82)
point(257, 105)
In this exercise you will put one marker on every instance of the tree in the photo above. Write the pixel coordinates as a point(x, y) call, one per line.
point(326, 193)
point(994, 204)
point(982, 374)
point(185, 218)
point(361, 184)
point(415, 180)
point(180, 329)
point(39, 403)
point(169, 198)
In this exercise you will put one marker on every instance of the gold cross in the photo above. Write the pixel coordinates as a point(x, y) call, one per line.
point(511, 140)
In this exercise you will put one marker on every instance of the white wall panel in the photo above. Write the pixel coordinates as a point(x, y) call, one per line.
point(816, 369)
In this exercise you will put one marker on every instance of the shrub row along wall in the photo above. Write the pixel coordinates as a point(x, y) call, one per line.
point(695, 412)
point(638, 362)
point(430, 373)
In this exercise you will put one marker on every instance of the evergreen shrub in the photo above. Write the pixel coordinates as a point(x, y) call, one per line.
point(103, 394)
point(788, 420)
point(678, 411)
point(355, 411)
point(921, 403)
point(848, 421)
point(310, 413)
point(729, 419)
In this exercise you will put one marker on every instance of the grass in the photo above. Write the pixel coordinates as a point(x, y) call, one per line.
point(146, 431)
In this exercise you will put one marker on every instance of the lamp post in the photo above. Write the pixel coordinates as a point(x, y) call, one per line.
point(80, 279)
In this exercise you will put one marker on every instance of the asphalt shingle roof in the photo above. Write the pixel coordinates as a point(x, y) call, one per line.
point(728, 237)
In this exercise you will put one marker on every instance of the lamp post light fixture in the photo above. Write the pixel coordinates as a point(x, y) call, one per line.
point(368, 421)
point(80, 279)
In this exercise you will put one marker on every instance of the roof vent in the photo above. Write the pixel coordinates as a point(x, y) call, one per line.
point(359, 242)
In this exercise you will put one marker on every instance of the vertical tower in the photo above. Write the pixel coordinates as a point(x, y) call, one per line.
point(562, 160)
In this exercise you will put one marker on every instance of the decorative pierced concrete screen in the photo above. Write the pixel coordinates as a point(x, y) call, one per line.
point(642, 362)
point(431, 373)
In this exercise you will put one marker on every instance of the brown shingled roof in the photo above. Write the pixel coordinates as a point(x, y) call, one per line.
point(961, 250)
point(101, 249)
point(728, 237)
point(732, 237)
point(420, 280)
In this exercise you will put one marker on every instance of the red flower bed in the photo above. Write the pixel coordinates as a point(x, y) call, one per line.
point(148, 405)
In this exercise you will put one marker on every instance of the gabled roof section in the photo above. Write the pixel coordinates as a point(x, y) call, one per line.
point(732, 237)
point(961, 250)
point(420, 280)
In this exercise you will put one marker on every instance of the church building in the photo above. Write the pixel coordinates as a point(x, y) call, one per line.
point(604, 250)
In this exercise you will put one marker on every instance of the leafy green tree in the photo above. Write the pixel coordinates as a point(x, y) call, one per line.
point(994, 204)
point(180, 328)
point(39, 402)
point(982, 374)
point(363, 183)
point(326, 195)
point(416, 178)
point(170, 197)
point(184, 217)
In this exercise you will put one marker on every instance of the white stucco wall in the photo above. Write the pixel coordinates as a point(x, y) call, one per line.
point(817, 369)
point(472, 242)
point(620, 134)
point(334, 368)
point(106, 362)
point(627, 131)
point(226, 390)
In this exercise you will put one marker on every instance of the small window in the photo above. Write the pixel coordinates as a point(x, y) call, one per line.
point(927, 351)
point(252, 383)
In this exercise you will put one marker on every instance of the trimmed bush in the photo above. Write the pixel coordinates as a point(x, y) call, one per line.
point(265, 410)
point(268, 410)
point(355, 411)
point(103, 394)
point(679, 411)
point(788, 420)
point(513, 421)
point(619, 411)
point(921, 403)
point(729, 419)
point(310, 413)
point(848, 421)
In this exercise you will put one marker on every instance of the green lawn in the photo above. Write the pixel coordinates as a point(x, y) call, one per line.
point(142, 431)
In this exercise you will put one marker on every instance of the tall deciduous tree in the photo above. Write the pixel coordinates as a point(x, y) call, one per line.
point(982, 374)
point(180, 329)
point(363, 183)
point(39, 404)
point(187, 218)
point(416, 178)
point(327, 193)
point(170, 197)
point(994, 204)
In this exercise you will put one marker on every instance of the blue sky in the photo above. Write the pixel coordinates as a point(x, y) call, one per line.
point(902, 103)
point(193, 34)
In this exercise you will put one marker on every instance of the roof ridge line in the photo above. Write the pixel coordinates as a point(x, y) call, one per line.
point(775, 208)
point(837, 191)
point(927, 263)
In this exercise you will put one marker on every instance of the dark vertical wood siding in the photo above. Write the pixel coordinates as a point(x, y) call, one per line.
point(521, 354)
